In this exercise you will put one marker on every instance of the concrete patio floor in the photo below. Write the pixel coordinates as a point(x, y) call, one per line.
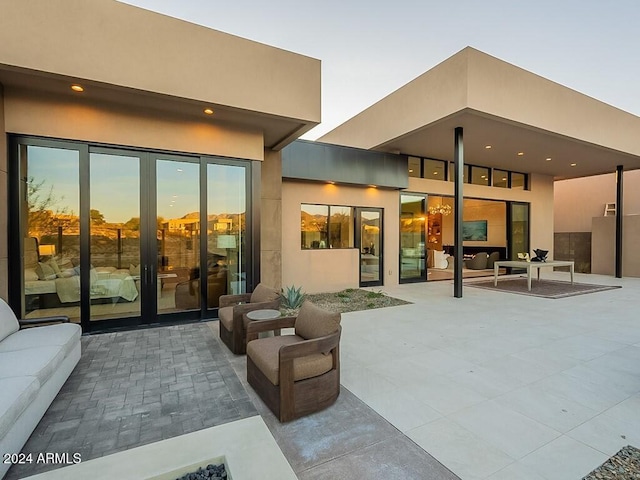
point(494, 386)
point(501, 386)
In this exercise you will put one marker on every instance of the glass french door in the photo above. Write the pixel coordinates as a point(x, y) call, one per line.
point(144, 221)
point(413, 215)
point(114, 237)
point(369, 240)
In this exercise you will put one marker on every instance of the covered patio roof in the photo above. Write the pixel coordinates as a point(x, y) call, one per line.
point(501, 105)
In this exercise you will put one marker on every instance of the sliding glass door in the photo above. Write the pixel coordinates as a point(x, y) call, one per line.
point(413, 215)
point(113, 237)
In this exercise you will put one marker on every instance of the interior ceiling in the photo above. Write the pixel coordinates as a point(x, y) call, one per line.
point(276, 129)
point(506, 140)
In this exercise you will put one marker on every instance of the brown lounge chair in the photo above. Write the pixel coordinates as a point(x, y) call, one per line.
point(296, 375)
point(232, 309)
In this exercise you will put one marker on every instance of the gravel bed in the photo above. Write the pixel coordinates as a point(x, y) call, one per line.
point(624, 465)
point(353, 299)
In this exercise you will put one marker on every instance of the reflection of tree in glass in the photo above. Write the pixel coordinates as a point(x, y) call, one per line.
point(45, 213)
point(97, 218)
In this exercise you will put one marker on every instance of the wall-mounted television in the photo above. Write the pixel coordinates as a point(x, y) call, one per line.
point(474, 230)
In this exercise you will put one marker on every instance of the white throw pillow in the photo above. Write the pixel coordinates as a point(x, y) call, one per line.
point(30, 275)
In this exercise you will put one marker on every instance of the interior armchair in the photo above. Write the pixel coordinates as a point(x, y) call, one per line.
point(233, 307)
point(299, 374)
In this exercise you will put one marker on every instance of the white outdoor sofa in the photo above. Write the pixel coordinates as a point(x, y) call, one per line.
point(34, 364)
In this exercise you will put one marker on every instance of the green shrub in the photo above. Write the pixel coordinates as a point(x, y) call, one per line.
point(375, 294)
point(292, 297)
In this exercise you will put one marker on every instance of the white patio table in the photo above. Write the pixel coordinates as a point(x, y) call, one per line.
point(530, 266)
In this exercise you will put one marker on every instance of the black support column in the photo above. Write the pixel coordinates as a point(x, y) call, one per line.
point(619, 214)
point(458, 158)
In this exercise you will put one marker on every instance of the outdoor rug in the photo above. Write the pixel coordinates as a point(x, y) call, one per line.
point(624, 465)
point(541, 288)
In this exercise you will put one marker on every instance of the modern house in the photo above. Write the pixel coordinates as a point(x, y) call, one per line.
point(517, 134)
point(149, 165)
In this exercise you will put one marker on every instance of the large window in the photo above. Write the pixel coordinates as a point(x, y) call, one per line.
point(435, 169)
point(326, 226)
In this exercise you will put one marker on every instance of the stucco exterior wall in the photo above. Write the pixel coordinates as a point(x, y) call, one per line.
point(271, 220)
point(114, 43)
point(603, 240)
point(499, 88)
point(591, 194)
point(433, 95)
point(4, 247)
point(77, 119)
point(334, 269)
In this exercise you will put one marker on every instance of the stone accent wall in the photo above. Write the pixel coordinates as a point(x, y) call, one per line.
point(574, 246)
point(271, 220)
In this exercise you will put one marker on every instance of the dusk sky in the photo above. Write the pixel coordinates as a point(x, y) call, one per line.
point(369, 49)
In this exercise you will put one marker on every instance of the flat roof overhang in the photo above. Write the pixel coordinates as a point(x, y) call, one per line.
point(278, 131)
point(500, 105)
point(133, 57)
point(569, 157)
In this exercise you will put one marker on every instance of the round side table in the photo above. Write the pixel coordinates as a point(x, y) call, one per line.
point(265, 314)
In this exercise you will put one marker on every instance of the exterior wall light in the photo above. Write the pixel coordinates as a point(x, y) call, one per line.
point(77, 88)
point(208, 111)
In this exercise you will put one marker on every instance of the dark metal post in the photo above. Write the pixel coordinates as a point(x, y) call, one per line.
point(458, 158)
point(619, 214)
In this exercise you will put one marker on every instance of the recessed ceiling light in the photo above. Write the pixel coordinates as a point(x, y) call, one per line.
point(373, 186)
point(487, 147)
point(330, 182)
point(208, 111)
point(548, 159)
point(77, 88)
point(520, 154)
point(574, 164)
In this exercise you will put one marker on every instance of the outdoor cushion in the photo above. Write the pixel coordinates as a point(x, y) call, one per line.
point(315, 322)
point(263, 294)
point(265, 355)
point(17, 394)
point(36, 362)
point(65, 335)
point(8, 321)
point(225, 314)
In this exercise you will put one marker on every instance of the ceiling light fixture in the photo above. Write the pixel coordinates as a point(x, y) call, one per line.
point(548, 159)
point(77, 88)
point(520, 154)
point(574, 164)
point(442, 209)
point(487, 147)
point(208, 111)
point(373, 186)
point(411, 170)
